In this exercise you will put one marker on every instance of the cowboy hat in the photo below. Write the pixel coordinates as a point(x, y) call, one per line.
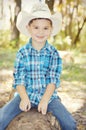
point(39, 10)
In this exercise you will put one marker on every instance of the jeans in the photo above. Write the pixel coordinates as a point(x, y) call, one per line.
point(11, 109)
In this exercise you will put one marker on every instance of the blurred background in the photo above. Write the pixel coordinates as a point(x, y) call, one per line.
point(73, 31)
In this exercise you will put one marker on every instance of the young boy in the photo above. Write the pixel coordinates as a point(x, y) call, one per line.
point(37, 69)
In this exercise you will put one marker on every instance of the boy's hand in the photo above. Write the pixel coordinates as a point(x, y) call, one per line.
point(42, 107)
point(25, 105)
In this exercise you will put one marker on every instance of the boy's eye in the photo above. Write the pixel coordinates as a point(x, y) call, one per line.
point(46, 28)
point(35, 27)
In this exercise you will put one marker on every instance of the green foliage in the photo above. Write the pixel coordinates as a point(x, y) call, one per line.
point(4, 38)
point(75, 71)
point(14, 44)
point(23, 40)
point(7, 58)
point(6, 43)
point(61, 42)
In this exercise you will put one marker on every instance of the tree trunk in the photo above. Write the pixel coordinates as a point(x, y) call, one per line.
point(78, 33)
point(50, 4)
point(14, 31)
point(1, 9)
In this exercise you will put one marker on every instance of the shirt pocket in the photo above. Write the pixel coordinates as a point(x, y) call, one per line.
point(46, 65)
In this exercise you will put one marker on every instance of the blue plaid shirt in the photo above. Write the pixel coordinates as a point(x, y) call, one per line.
point(36, 69)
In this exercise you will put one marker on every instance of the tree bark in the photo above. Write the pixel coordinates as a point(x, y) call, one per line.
point(33, 120)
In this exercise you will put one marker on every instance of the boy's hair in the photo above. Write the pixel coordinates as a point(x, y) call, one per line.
point(39, 19)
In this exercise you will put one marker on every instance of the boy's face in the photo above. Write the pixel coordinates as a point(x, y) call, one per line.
point(40, 30)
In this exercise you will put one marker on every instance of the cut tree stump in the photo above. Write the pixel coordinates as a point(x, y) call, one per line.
point(33, 120)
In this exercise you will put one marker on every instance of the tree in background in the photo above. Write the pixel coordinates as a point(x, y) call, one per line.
point(1, 9)
point(13, 17)
point(74, 19)
point(50, 4)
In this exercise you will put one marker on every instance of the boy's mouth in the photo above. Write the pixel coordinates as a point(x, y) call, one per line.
point(40, 37)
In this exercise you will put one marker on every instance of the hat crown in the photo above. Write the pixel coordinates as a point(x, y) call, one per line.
point(40, 7)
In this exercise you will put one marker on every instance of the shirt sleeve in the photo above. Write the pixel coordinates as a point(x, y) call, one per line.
point(19, 71)
point(53, 75)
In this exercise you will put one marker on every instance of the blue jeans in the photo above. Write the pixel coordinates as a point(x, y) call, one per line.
point(11, 109)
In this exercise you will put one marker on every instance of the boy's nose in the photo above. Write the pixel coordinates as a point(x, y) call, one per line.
point(41, 31)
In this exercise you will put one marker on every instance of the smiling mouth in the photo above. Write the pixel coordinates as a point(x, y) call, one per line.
point(40, 37)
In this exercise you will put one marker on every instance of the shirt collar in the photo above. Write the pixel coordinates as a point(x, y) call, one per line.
point(29, 46)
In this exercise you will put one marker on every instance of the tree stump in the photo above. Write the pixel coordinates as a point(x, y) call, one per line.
point(33, 120)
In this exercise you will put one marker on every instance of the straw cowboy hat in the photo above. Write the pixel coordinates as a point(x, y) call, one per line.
point(39, 10)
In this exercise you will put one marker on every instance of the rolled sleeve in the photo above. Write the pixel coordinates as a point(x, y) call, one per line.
point(19, 71)
point(53, 76)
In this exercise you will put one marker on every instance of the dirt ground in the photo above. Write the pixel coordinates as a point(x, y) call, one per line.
point(72, 96)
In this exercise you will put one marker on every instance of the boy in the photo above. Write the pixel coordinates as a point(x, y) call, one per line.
point(37, 69)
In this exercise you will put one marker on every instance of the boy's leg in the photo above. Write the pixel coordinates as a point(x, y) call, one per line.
point(9, 111)
point(65, 119)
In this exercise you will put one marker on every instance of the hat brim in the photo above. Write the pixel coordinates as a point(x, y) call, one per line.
point(24, 18)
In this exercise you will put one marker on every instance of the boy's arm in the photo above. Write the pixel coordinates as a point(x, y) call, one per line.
point(25, 102)
point(42, 107)
point(53, 81)
point(19, 81)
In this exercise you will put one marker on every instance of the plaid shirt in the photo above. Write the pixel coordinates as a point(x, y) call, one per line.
point(36, 69)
